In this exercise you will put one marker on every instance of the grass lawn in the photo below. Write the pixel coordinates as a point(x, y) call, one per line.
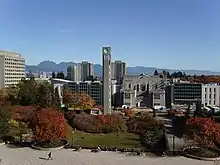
point(119, 140)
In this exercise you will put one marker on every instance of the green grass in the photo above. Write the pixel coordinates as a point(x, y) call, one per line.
point(123, 140)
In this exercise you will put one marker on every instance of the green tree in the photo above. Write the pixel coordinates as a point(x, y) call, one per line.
point(27, 94)
point(156, 72)
point(45, 94)
point(60, 75)
point(53, 75)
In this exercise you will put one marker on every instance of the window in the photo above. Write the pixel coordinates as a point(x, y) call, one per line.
point(156, 96)
point(127, 96)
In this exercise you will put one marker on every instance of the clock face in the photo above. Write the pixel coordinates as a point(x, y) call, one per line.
point(106, 50)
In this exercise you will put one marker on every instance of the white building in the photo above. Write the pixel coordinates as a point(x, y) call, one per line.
point(12, 68)
point(211, 94)
point(74, 72)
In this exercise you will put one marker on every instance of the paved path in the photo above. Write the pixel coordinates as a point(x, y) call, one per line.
point(174, 143)
point(28, 156)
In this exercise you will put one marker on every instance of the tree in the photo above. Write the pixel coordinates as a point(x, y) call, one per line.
point(86, 101)
point(27, 94)
point(53, 75)
point(156, 72)
point(45, 94)
point(56, 99)
point(60, 75)
point(4, 126)
point(48, 125)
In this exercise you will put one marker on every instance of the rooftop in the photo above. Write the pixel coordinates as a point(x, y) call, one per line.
point(10, 54)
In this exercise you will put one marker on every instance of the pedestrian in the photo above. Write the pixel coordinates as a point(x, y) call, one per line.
point(49, 156)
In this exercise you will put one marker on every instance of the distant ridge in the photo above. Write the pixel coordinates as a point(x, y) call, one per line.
point(50, 66)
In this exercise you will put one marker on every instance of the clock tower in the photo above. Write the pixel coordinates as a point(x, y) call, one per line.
point(106, 77)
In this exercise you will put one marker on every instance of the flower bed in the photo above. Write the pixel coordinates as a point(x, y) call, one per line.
point(54, 145)
point(202, 153)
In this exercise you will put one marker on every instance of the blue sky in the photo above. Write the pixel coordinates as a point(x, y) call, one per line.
point(182, 34)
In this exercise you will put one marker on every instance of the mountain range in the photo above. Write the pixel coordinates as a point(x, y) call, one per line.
point(50, 66)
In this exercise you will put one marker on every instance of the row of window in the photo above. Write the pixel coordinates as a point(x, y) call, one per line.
point(13, 63)
point(210, 90)
point(13, 78)
point(17, 60)
point(15, 66)
point(21, 74)
point(14, 70)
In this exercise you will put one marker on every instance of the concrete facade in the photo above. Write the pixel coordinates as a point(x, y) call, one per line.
point(211, 94)
point(12, 68)
point(87, 70)
point(106, 71)
point(137, 88)
point(118, 71)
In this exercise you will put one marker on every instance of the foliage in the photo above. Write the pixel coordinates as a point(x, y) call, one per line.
point(23, 113)
point(45, 94)
point(13, 123)
point(141, 122)
point(172, 113)
point(69, 115)
point(111, 123)
point(77, 100)
point(6, 110)
point(152, 137)
point(86, 122)
point(48, 125)
point(4, 126)
point(129, 113)
point(204, 131)
point(60, 75)
point(98, 124)
point(27, 94)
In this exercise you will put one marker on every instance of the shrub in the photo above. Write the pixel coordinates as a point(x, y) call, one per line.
point(141, 123)
point(48, 125)
point(111, 123)
point(23, 113)
point(70, 114)
point(129, 113)
point(4, 126)
point(98, 124)
point(86, 122)
point(152, 137)
point(172, 113)
point(204, 131)
point(13, 123)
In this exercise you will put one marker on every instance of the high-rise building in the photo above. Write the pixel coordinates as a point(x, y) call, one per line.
point(74, 72)
point(118, 71)
point(12, 68)
point(87, 70)
point(106, 63)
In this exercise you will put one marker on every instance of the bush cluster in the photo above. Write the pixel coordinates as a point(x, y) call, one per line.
point(141, 122)
point(98, 124)
point(204, 131)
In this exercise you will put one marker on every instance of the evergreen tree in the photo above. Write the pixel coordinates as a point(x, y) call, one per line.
point(53, 75)
point(156, 72)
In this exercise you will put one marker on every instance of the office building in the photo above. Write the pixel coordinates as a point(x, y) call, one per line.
point(87, 70)
point(94, 89)
point(12, 68)
point(183, 93)
point(211, 94)
point(74, 72)
point(106, 71)
point(118, 71)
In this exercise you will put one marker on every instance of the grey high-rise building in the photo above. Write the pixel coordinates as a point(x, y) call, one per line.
point(87, 70)
point(74, 72)
point(119, 71)
point(106, 63)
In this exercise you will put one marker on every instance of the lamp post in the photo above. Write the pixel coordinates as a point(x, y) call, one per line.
point(72, 137)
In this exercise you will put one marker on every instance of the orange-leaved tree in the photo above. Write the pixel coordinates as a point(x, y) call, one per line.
point(86, 101)
point(48, 125)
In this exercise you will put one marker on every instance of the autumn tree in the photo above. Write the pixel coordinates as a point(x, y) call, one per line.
point(48, 125)
point(86, 101)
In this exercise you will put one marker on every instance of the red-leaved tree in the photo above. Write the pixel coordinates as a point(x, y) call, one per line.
point(23, 113)
point(204, 131)
point(48, 125)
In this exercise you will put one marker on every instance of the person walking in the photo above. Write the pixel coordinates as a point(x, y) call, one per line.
point(49, 156)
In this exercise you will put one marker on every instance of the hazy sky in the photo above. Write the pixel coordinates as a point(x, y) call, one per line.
point(182, 34)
